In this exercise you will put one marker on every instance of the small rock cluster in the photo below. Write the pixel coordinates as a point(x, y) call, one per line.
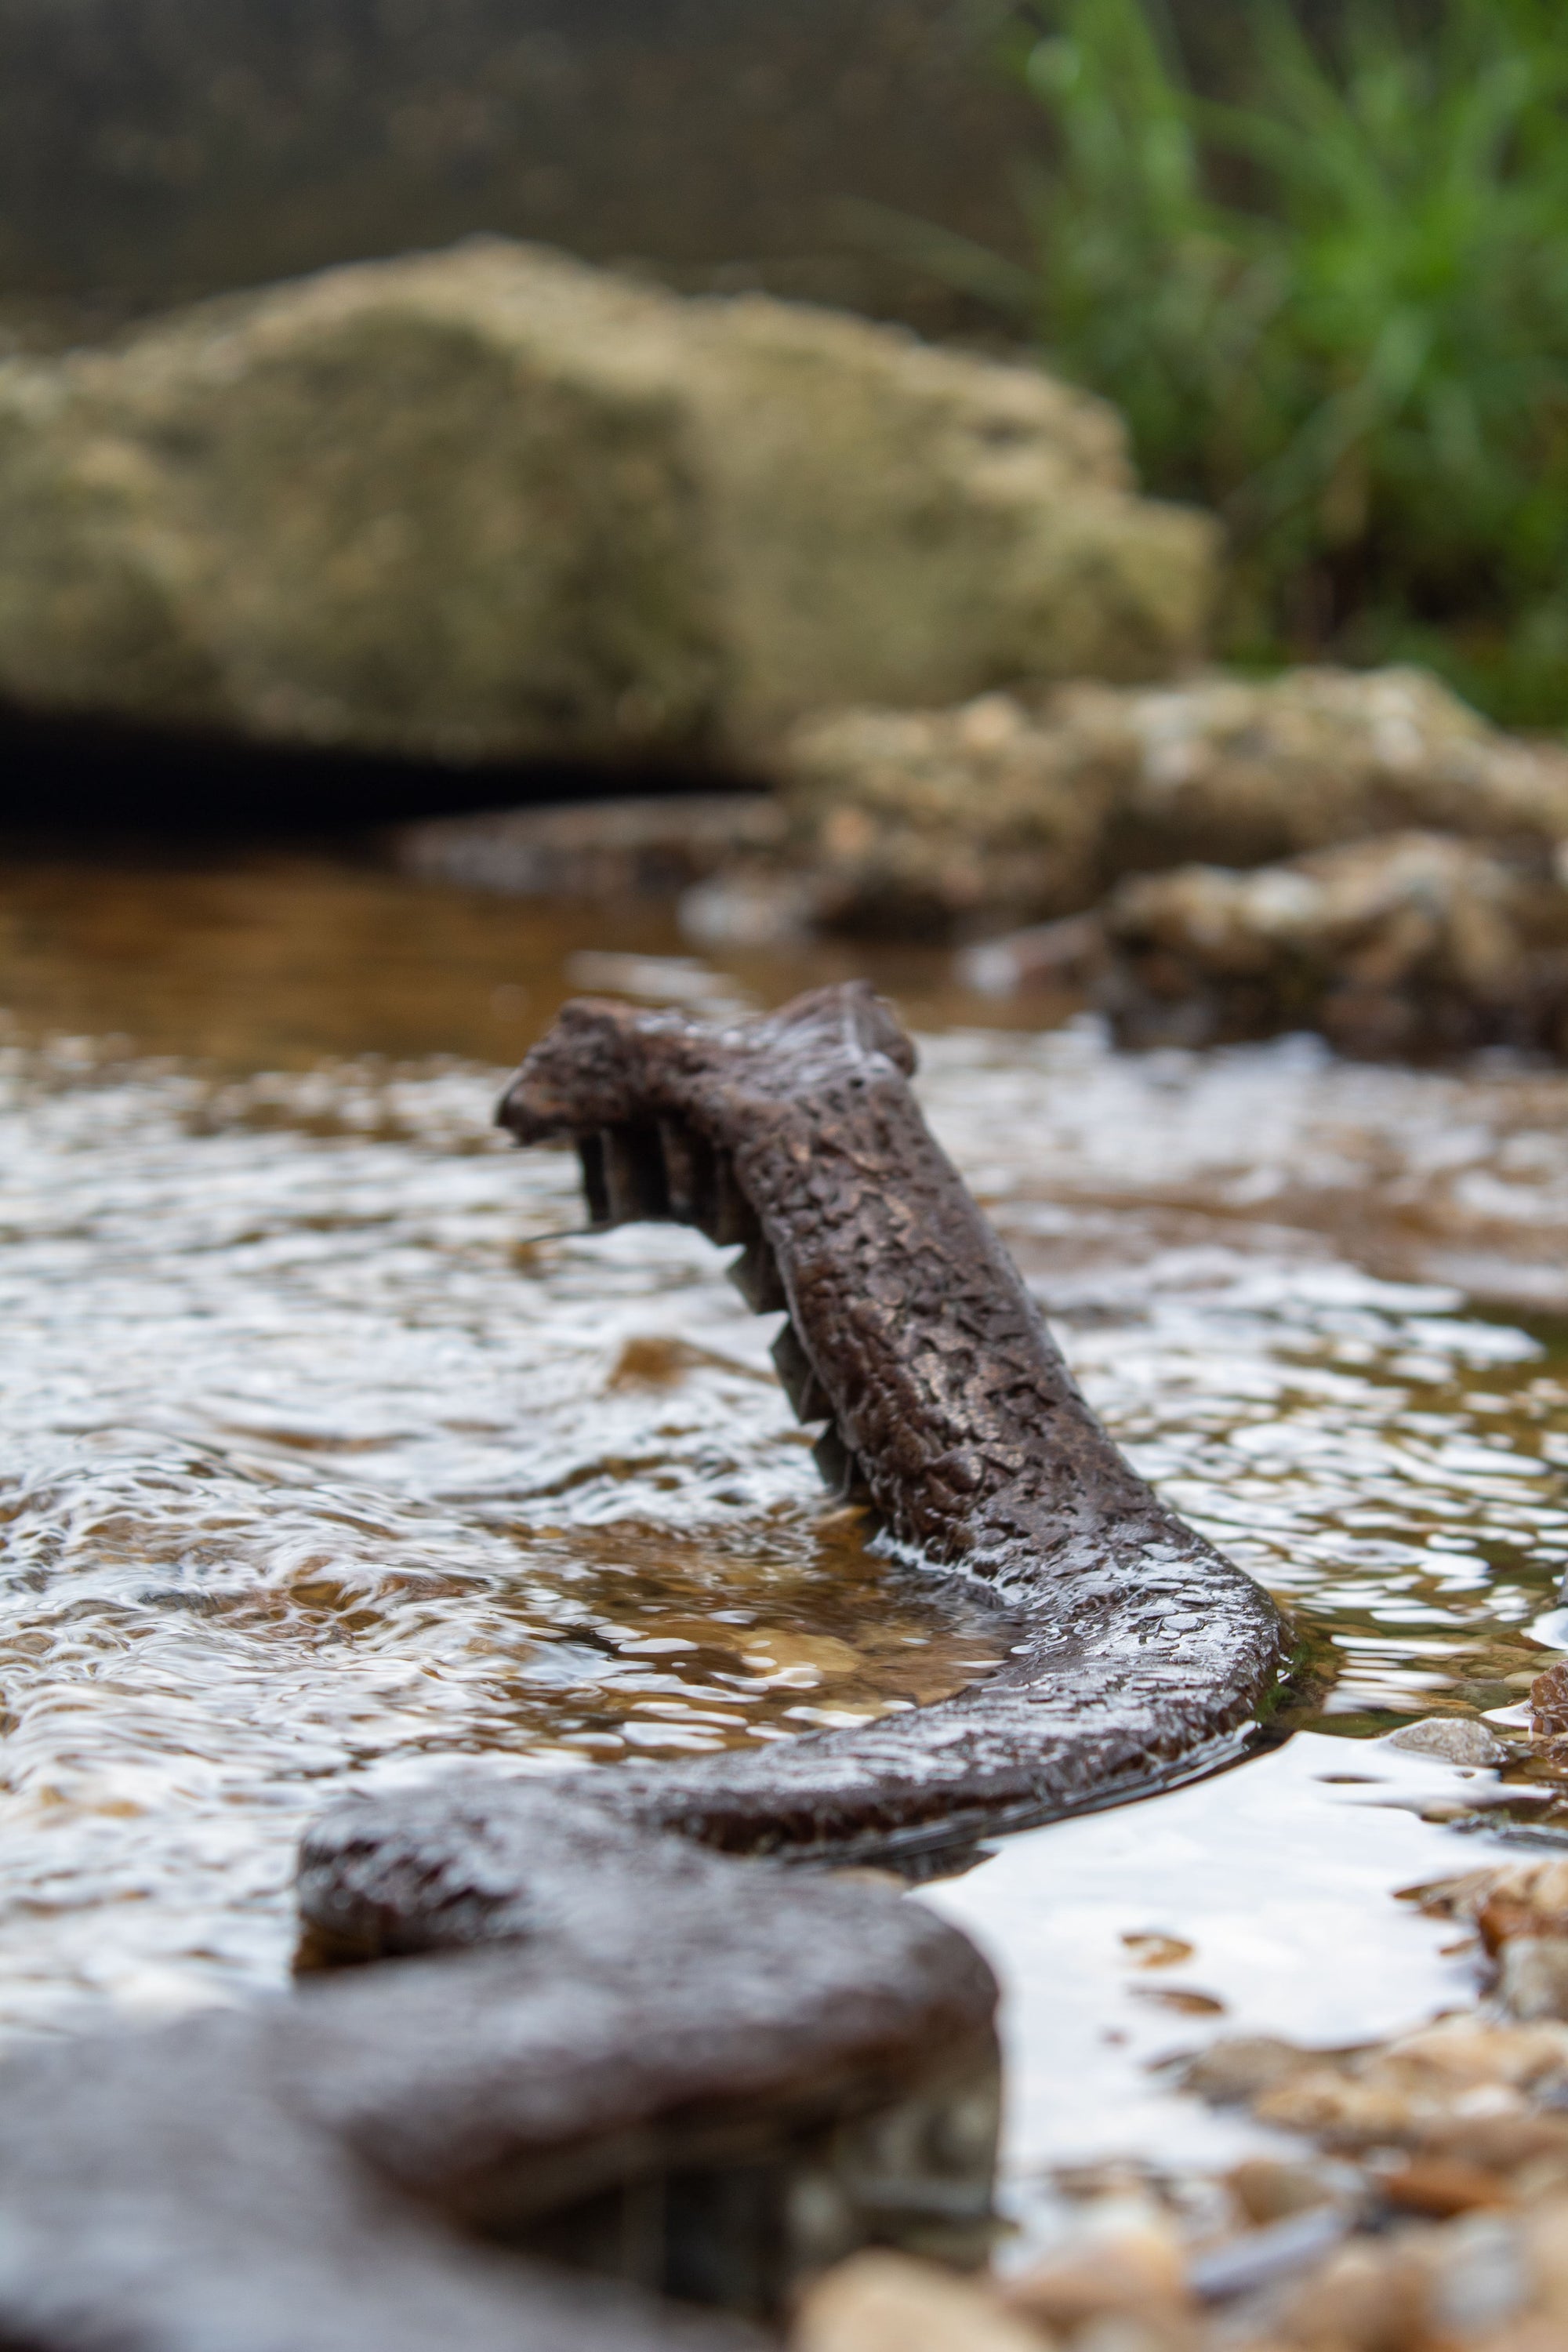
point(1411, 942)
point(1379, 864)
point(1483, 2284)
point(1427, 2212)
point(1424, 2208)
point(949, 821)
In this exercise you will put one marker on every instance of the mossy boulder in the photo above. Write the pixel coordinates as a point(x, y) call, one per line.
point(496, 504)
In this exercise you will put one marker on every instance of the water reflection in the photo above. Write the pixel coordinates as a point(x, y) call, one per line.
point(1272, 1883)
point(336, 1452)
point(322, 1467)
point(275, 959)
point(1383, 1454)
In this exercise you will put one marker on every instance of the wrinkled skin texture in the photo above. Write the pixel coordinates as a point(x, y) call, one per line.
point(1142, 1654)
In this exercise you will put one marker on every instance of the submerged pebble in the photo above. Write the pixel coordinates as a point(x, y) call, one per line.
point(1457, 1738)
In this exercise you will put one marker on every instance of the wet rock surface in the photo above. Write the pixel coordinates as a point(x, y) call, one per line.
point(1458, 1739)
point(495, 504)
point(704, 2078)
point(1239, 772)
point(924, 821)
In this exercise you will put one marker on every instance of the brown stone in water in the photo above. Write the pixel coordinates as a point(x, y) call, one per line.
point(1337, 2109)
point(1137, 2272)
point(1365, 2299)
point(1528, 1898)
point(1458, 2092)
point(1268, 2191)
point(885, 2303)
point(1461, 2051)
point(653, 1360)
point(1407, 942)
point(1534, 1977)
point(1457, 1738)
point(1497, 2144)
point(1242, 2067)
point(1441, 2186)
point(1184, 1998)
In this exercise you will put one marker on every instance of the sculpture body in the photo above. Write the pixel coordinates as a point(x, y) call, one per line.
point(624, 2031)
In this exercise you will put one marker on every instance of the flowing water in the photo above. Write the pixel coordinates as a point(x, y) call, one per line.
point(336, 1454)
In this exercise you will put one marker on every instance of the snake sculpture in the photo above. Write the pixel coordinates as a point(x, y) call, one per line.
point(631, 2059)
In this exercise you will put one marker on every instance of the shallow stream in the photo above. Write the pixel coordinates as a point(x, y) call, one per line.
point(335, 1452)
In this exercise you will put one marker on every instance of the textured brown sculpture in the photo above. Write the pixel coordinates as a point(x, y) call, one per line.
point(605, 2043)
point(1142, 1654)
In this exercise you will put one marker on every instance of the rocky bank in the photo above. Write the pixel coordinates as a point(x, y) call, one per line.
point(1409, 942)
point(1414, 2197)
point(1356, 854)
point(1008, 808)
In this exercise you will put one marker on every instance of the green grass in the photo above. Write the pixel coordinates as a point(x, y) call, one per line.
point(1333, 307)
